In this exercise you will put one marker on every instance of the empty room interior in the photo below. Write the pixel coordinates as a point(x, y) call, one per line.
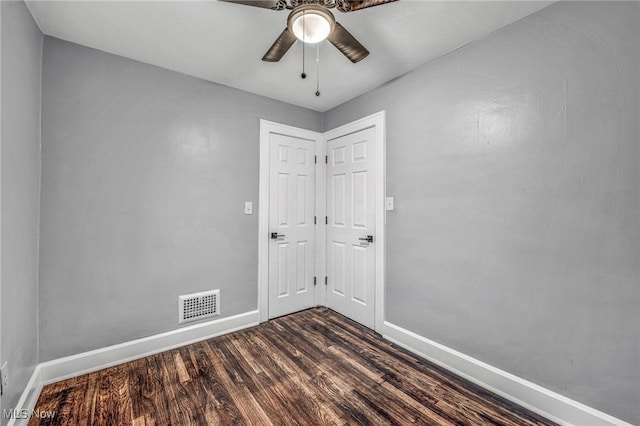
point(320, 212)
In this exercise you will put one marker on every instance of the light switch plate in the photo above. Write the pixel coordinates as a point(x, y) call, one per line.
point(248, 207)
point(389, 204)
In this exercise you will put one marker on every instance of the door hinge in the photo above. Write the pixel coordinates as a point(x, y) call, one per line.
point(315, 159)
point(314, 280)
point(326, 279)
point(326, 159)
point(326, 220)
point(315, 220)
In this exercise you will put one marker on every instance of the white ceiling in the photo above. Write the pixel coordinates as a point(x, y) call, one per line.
point(224, 42)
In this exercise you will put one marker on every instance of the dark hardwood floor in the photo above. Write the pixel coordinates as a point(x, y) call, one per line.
point(310, 368)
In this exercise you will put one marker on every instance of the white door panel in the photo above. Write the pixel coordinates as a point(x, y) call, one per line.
point(351, 218)
point(347, 188)
point(291, 217)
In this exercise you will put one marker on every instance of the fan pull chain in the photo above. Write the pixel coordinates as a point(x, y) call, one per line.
point(304, 74)
point(318, 70)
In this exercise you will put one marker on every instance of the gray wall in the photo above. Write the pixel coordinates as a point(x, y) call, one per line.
point(145, 173)
point(514, 162)
point(21, 65)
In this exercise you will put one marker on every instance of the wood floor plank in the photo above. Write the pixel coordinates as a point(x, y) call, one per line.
point(338, 389)
point(314, 367)
point(217, 385)
point(352, 334)
point(244, 401)
point(314, 405)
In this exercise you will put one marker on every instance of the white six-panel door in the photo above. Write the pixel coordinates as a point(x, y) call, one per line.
point(291, 224)
point(350, 187)
point(346, 195)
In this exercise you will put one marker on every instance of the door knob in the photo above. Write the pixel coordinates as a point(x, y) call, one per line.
point(368, 239)
point(275, 235)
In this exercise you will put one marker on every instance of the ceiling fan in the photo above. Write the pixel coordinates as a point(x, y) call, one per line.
point(311, 21)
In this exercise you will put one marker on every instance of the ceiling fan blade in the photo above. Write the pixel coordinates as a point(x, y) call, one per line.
point(347, 44)
point(267, 4)
point(351, 5)
point(280, 46)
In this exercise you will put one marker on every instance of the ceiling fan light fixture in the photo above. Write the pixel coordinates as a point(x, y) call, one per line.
point(311, 24)
point(311, 28)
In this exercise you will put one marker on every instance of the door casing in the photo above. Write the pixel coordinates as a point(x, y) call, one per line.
point(377, 121)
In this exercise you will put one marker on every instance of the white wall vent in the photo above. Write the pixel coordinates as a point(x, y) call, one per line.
point(196, 306)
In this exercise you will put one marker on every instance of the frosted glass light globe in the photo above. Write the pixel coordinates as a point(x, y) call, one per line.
point(311, 27)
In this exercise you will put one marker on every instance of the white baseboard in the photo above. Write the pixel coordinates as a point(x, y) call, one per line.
point(75, 365)
point(549, 404)
point(28, 399)
point(554, 406)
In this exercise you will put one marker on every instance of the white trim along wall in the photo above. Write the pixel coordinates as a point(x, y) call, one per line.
point(554, 406)
point(75, 365)
point(545, 402)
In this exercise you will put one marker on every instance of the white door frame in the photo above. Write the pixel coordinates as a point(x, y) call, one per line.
point(377, 121)
point(267, 128)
